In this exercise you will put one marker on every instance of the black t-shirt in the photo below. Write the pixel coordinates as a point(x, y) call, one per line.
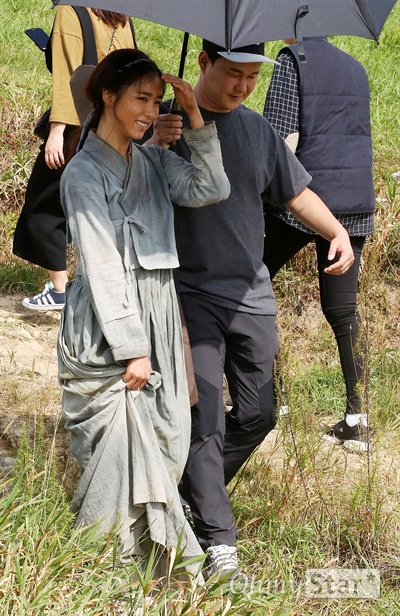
point(220, 246)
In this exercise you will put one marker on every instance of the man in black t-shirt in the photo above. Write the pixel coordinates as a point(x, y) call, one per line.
point(225, 289)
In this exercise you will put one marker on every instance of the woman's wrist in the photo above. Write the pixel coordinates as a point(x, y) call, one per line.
point(57, 127)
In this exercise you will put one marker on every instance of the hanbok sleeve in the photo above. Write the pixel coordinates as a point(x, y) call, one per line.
point(100, 263)
point(202, 181)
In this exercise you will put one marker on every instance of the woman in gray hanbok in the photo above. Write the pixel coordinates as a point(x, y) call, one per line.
point(121, 361)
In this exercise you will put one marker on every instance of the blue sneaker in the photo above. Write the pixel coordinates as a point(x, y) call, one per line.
point(48, 299)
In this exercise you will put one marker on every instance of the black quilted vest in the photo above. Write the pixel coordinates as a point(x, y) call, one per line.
point(335, 133)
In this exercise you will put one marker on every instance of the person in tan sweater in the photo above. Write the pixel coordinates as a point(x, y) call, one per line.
point(40, 235)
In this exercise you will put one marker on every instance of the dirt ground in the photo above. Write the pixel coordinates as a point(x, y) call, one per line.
point(28, 373)
point(27, 342)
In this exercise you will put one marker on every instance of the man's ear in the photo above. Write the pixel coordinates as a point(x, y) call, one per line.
point(204, 60)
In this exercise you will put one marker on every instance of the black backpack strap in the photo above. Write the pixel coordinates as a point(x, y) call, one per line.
point(133, 32)
point(89, 42)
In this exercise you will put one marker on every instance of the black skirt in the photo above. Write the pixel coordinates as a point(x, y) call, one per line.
point(40, 234)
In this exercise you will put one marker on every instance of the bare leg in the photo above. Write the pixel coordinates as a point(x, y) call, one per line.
point(59, 280)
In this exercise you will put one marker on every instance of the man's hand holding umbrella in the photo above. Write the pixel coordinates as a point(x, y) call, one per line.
point(167, 128)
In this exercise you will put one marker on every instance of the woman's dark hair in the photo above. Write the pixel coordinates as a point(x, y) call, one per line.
point(111, 19)
point(118, 71)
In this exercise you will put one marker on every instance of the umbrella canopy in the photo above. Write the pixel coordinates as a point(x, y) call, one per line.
point(236, 23)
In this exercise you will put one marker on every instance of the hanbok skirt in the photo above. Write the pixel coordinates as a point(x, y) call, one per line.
point(131, 446)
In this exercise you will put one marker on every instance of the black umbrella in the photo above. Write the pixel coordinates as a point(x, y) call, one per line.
point(236, 23)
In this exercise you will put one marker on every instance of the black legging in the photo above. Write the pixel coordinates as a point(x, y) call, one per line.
point(338, 296)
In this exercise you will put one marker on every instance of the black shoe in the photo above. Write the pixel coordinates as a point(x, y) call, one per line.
point(228, 404)
point(354, 438)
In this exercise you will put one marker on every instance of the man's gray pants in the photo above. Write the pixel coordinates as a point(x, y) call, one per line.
point(244, 346)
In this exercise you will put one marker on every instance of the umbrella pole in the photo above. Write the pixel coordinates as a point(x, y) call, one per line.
point(174, 108)
point(228, 25)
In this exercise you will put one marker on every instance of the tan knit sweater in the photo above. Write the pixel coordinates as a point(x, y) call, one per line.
point(67, 51)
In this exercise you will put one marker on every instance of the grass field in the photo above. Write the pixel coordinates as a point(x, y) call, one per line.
point(298, 505)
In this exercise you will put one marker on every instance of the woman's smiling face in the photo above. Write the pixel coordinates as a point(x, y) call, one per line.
point(137, 108)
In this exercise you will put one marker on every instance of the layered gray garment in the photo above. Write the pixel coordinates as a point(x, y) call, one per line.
point(131, 445)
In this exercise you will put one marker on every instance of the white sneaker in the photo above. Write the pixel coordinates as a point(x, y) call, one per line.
point(221, 560)
point(284, 410)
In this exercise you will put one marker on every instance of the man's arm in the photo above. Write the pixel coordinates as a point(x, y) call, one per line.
point(308, 208)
